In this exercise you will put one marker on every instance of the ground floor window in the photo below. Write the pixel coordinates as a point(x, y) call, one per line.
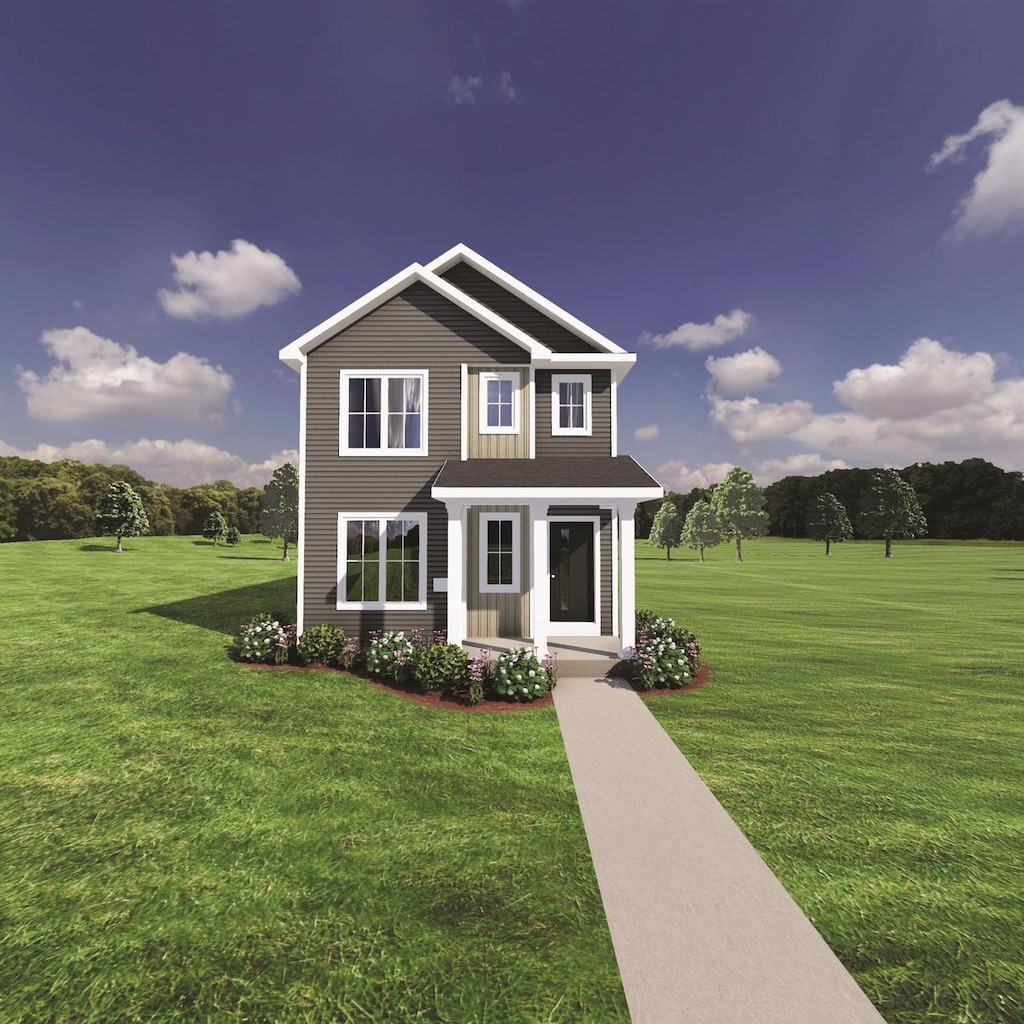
point(382, 560)
point(499, 553)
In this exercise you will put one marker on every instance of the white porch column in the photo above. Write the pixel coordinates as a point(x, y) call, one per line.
point(540, 577)
point(627, 575)
point(456, 573)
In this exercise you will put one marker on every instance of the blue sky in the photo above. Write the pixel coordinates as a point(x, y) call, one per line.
point(807, 218)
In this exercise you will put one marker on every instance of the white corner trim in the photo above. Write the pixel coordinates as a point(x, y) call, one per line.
point(300, 618)
point(531, 412)
point(464, 412)
point(615, 416)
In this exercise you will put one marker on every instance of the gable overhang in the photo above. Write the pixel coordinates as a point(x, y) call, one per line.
point(619, 364)
point(463, 254)
point(294, 355)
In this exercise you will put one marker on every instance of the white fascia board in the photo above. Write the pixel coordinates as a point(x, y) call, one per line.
point(552, 495)
point(619, 364)
point(447, 260)
point(295, 353)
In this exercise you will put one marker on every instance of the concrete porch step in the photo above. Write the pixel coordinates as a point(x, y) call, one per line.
point(590, 657)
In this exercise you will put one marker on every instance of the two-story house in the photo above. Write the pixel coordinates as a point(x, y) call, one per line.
point(459, 466)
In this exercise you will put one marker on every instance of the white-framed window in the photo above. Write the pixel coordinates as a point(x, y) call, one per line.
point(382, 560)
point(499, 553)
point(570, 403)
point(499, 403)
point(383, 412)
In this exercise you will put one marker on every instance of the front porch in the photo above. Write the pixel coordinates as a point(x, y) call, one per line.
point(575, 656)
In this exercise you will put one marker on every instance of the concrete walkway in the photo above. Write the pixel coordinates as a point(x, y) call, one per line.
point(703, 932)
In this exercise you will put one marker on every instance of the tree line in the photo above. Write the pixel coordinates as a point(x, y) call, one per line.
point(970, 500)
point(59, 501)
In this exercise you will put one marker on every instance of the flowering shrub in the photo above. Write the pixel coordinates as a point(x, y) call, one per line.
point(350, 652)
point(265, 639)
point(518, 675)
point(323, 645)
point(665, 654)
point(390, 655)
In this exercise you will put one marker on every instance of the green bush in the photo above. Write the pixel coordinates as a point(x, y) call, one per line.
point(440, 667)
point(322, 645)
point(265, 639)
point(233, 537)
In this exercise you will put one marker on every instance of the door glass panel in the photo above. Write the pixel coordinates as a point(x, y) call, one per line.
point(563, 569)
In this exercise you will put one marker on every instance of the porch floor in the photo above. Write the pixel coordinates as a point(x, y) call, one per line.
point(592, 656)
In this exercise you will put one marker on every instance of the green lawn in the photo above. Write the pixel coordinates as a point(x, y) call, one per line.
point(184, 838)
point(864, 727)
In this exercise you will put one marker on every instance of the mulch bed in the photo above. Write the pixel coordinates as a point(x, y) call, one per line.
point(438, 700)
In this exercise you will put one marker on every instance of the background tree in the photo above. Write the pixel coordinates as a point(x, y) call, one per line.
point(8, 511)
point(119, 512)
point(829, 522)
point(215, 527)
point(280, 515)
point(701, 529)
point(889, 508)
point(233, 538)
point(667, 528)
point(738, 504)
point(50, 508)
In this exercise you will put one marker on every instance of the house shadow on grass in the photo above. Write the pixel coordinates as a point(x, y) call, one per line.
point(224, 612)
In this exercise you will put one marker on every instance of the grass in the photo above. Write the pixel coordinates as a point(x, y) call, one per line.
point(864, 729)
point(189, 839)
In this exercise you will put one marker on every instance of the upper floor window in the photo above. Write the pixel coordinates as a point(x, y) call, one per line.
point(499, 403)
point(570, 403)
point(383, 412)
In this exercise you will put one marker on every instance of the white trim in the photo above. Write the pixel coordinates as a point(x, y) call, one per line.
point(571, 378)
point(531, 412)
point(540, 596)
point(614, 531)
point(301, 542)
point(463, 253)
point(593, 627)
point(498, 588)
point(553, 495)
point(294, 353)
point(486, 376)
point(456, 605)
point(627, 578)
point(344, 449)
point(464, 411)
point(615, 417)
point(420, 603)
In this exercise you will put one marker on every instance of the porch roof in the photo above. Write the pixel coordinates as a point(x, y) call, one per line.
point(561, 478)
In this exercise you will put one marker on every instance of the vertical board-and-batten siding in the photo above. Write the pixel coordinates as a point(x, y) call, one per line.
point(598, 441)
point(416, 330)
point(499, 615)
point(497, 446)
point(514, 309)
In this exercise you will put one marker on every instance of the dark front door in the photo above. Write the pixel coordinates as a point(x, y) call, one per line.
point(572, 572)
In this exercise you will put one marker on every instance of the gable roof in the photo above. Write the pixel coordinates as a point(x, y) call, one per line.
point(605, 352)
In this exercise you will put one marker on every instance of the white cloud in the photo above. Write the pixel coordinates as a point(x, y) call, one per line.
point(743, 373)
point(647, 433)
point(463, 90)
point(927, 378)
point(935, 404)
point(506, 90)
point(805, 464)
point(95, 378)
point(724, 328)
point(179, 463)
point(995, 202)
point(227, 284)
point(749, 420)
point(677, 476)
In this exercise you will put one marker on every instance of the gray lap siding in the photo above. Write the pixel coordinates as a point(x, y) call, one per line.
point(599, 441)
point(416, 330)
